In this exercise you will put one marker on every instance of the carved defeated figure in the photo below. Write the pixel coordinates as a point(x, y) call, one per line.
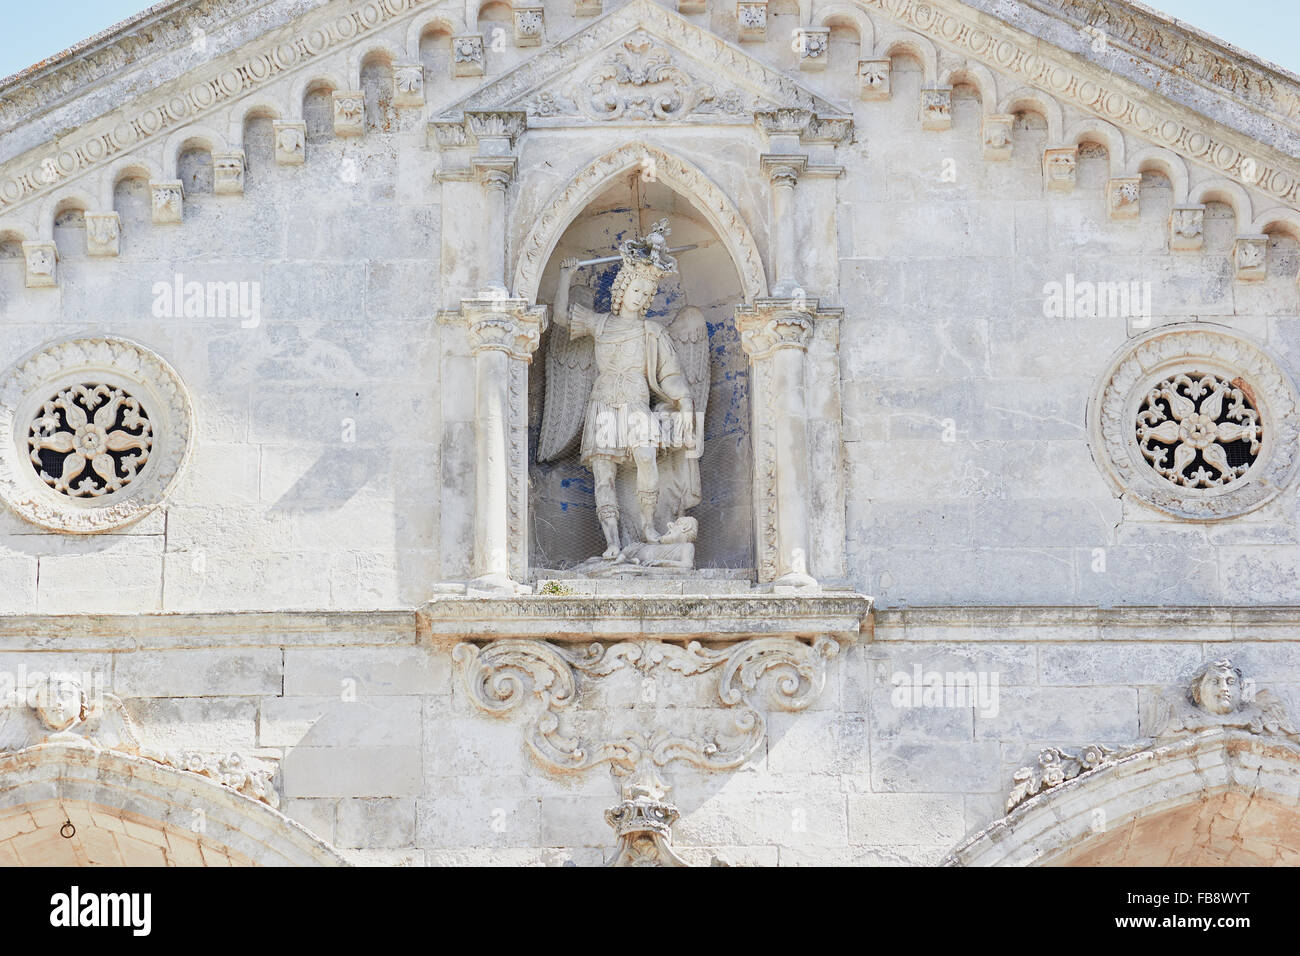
point(603, 371)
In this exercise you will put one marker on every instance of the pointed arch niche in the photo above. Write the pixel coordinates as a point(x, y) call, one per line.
point(564, 530)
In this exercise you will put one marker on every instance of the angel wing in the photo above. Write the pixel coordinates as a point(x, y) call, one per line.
point(690, 335)
point(570, 374)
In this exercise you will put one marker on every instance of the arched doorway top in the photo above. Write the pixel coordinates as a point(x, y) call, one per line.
point(1061, 822)
point(112, 783)
point(684, 178)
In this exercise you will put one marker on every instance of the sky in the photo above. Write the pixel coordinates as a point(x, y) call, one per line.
point(34, 31)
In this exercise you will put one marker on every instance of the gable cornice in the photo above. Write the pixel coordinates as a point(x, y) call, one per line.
point(1226, 82)
point(1099, 91)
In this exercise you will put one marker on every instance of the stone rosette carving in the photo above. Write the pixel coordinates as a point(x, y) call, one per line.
point(467, 55)
point(40, 263)
point(813, 45)
point(1250, 257)
point(545, 679)
point(1187, 227)
point(94, 433)
point(1217, 698)
point(408, 84)
point(873, 79)
point(751, 20)
point(167, 201)
point(1180, 411)
point(529, 22)
point(60, 711)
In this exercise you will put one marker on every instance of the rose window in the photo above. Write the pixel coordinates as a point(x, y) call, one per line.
point(90, 440)
point(1199, 430)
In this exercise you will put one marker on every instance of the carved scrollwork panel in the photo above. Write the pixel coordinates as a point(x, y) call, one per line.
point(545, 680)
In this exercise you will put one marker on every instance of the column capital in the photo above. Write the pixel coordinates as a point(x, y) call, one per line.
point(494, 172)
point(783, 168)
point(780, 323)
point(496, 130)
point(513, 326)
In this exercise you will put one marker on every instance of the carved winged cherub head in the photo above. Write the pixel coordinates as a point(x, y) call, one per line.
point(645, 262)
point(59, 702)
point(1217, 688)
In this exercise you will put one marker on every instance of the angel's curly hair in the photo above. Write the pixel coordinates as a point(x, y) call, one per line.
point(626, 274)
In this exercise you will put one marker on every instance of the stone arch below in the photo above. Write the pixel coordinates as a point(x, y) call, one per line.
point(1219, 798)
point(656, 165)
point(129, 811)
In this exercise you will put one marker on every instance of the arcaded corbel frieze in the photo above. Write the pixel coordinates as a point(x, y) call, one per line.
point(255, 67)
point(873, 79)
point(40, 263)
point(349, 112)
point(813, 44)
point(228, 173)
point(167, 201)
point(1061, 167)
point(936, 107)
point(1187, 226)
point(1022, 57)
point(62, 710)
point(290, 142)
point(1123, 197)
point(732, 688)
point(103, 233)
point(529, 24)
point(468, 58)
point(751, 21)
point(408, 84)
point(1250, 257)
point(996, 135)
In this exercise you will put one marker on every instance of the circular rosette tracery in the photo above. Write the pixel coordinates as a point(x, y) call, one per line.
point(1197, 421)
point(90, 440)
point(1199, 430)
point(94, 433)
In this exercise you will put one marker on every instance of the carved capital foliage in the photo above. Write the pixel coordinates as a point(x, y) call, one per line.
point(873, 79)
point(751, 20)
point(1250, 257)
point(1060, 167)
point(936, 107)
point(545, 680)
point(512, 326)
point(529, 22)
point(504, 126)
point(1123, 197)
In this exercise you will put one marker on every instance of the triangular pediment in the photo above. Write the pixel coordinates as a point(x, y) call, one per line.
point(641, 62)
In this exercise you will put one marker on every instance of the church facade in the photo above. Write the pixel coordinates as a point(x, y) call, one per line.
point(650, 432)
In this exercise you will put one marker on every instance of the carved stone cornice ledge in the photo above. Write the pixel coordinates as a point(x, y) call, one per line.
point(842, 616)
